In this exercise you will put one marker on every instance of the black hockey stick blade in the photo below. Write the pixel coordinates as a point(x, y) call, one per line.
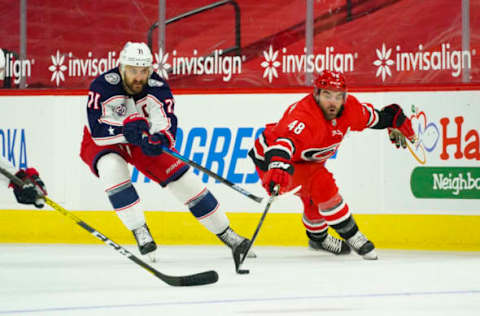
point(237, 258)
point(202, 278)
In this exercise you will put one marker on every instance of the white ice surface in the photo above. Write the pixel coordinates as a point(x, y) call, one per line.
point(96, 280)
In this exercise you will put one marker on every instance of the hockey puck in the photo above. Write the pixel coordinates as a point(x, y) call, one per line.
point(243, 271)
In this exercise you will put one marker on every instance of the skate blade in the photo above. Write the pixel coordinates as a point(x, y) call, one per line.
point(152, 256)
point(372, 255)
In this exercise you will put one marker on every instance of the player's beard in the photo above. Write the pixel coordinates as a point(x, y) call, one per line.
point(134, 86)
point(330, 112)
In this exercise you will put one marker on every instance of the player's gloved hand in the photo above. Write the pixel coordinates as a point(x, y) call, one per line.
point(152, 145)
point(279, 172)
point(402, 123)
point(32, 188)
point(397, 138)
point(135, 127)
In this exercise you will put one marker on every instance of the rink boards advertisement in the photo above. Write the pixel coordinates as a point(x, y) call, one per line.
point(266, 48)
point(439, 175)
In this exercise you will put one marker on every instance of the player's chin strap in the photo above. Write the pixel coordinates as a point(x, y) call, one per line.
point(201, 278)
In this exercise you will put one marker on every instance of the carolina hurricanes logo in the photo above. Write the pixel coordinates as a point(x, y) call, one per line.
point(319, 154)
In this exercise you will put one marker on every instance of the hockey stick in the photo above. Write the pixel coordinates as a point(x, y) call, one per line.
point(170, 152)
point(201, 278)
point(236, 256)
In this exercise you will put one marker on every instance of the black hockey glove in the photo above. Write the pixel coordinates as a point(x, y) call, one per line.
point(397, 138)
point(135, 127)
point(401, 127)
point(32, 188)
point(152, 145)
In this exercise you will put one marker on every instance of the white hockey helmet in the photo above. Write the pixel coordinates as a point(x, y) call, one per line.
point(136, 54)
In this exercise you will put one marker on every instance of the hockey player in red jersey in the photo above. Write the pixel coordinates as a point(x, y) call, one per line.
point(293, 152)
point(131, 118)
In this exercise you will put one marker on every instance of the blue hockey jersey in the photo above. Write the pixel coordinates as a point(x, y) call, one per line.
point(109, 104)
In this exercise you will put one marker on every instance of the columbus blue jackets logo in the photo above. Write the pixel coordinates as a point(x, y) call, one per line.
point(112, 78)
point(154, 83)
point(120, 109)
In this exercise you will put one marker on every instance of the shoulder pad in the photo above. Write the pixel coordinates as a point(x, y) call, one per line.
point(156, 77)
point(155, 83)
point(158, 87)
point(112, 78)
point(351, 99)
point(108, 85)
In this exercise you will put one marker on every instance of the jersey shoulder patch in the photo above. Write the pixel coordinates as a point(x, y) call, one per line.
point(112, 78)
point(158, 87)
point(155, 83)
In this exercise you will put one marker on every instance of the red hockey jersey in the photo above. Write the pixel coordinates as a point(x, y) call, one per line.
point(304, 135)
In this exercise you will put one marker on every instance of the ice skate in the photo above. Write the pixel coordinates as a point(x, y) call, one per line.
point(145, 242)
point(330, 244)
point(237, 243)
point(362, 246)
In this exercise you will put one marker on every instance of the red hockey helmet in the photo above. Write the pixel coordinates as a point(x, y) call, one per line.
point(330, 80)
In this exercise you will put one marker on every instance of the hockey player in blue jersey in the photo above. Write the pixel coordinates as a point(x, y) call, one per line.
point(130, 119)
